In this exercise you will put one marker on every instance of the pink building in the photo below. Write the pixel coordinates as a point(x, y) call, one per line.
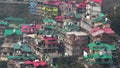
point(30, 28)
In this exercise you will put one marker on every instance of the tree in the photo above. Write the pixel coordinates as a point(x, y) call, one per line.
point(115, 18)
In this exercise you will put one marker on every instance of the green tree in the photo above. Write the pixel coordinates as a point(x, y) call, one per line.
point(115, 20)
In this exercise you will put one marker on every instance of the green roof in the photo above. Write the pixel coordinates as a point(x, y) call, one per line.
point(21, 20)
point(102, 15)
point(26, 48)
point(32, 57)
point(48, 20)
point(12, 31)
point(17, 57)
point(72, 27)
point(16, 46)
point(77, 15)
point(10, 57)
point(50, 27)
point(24, 57)
point(104, 56)
point(100, 46)
point(97, 56)
point(100, 18)
point(3, 23)
point(41, 31)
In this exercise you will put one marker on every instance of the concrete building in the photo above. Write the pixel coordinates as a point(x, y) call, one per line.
point(74, 42)
point(93, 9)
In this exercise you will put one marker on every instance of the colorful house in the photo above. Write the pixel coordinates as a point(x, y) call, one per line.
point(15, 22)
point(70, 27)
point(22, 48)
point(48, 21)
point(49, 44)
point(99, 53)
point(32, 28)
point(103, 34)
point(93, 9)
point(48, 9)
point(12, 35)
point(22, 51)
point(81, 7)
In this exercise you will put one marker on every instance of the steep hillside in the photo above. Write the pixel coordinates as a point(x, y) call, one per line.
point(16, 10)
point(22, 10)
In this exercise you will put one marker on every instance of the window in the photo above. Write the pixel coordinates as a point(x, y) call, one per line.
point(52, 40)
point(106, 60)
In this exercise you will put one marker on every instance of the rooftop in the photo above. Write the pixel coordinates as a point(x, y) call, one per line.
point(9, 45)
point(77, 33)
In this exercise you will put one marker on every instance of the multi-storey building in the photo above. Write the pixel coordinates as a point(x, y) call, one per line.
point(74, 42)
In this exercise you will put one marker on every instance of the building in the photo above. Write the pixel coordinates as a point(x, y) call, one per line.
point(49, 44)
point(30, 28)
point(93, 9)
point(12, 35)
point(74, 42)
point(5, 51)
point(99, 53)
point(105, 35)
point(22, 48)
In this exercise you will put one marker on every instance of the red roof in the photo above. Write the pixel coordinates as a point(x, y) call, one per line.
point(39, 63)
point(81, 5)
point(30, 28)
point(87, 49)
point(94, 29)
point(36, 64)
point(98, 31)
point(28, 62)
point(108, 31)
point(98, 1)
point(59, 18)
point(50, 40)
point(86, 1)
point(38, 26)
point(57, 3)
point(42, 63)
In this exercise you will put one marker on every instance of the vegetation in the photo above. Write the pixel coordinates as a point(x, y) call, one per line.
point(115, 20)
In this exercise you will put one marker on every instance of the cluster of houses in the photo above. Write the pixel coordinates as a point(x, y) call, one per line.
point(68, 29)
